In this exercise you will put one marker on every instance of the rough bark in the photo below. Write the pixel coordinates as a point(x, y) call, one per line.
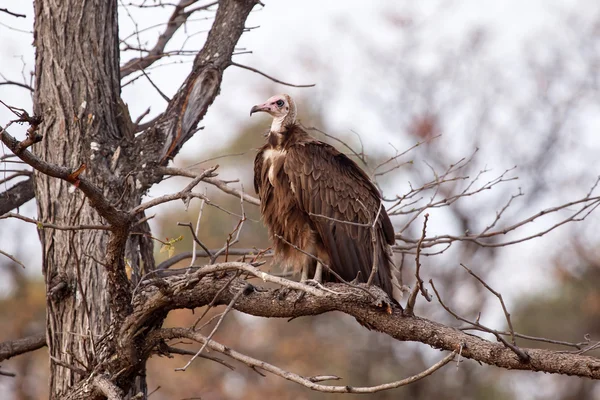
point(77, 93)
point(87, 128)
point(197, 289)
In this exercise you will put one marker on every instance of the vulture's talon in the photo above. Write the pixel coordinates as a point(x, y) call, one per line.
point(313, 282)
point(283, 294)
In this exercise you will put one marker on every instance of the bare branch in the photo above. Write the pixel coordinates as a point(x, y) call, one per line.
point(309, 382)
point(16, 196)
point(234, 252)
point(20, 346)
point(499, 296)
point(360, 155)
point(176, 20)
point(229, 306)
point(9, 374)
point(578, 346)
point(587, 204)
point(14, 14)
point(176, 350)
point(270, 77)
point(94, 194)
point(19, 84)
point(523, 355)
point(213, 181)
point(13, 258)
point(374, 263)
point(410, 304)
point(45, 225)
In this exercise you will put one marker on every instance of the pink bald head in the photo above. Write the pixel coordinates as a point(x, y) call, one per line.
point(277, 106)
point(283, 110)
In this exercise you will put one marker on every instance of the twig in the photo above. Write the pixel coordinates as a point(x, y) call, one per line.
point(268, 76)
point(216, 158)
point(46, 225)
point(578, 346)
point(196, 240)
point(410, 304)
point(229, 307)
point(176, 350)
point(499, 296)
point(12, 258)
point(398, 155)
point(200, 253)
point(524, 357)
point(375, 264)
point(23, 85)
point(194, 243)
point(164, 96)
point(9, 374)
point(213, 181)
point(230, 240)
point(306, 382)
point(68, 366)
point(215, 298)
point(166, 199)
point(14, 14)
point(360, 156)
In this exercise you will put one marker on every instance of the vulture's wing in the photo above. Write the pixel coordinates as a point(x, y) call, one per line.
point(326, 183)
point(258, 164)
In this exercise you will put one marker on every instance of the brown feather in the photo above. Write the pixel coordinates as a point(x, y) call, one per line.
point(312, 177)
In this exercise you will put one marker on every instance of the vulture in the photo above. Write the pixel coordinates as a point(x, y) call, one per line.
point(319, 206)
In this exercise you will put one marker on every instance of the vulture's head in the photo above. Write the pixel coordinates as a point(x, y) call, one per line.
point(282, 108)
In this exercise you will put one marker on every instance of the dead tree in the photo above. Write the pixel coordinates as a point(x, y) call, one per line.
point(91, 167)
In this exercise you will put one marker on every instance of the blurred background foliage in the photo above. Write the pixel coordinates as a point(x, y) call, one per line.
point(540, 115)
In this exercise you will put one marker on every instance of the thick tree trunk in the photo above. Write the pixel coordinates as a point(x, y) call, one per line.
point(78, 94)
point(87, 128)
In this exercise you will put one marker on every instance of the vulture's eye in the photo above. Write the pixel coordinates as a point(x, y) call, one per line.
point(279, 103)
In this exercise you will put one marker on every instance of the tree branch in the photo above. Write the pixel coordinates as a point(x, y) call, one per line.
point(222, 185)
point(14, 14)
point(16, 196)
point(94, 195)
point(176, 20)
point(310, 382)
point(164, 139)
point(187, 291)
point(270, 77)
point(17, 347)
point(46, 225)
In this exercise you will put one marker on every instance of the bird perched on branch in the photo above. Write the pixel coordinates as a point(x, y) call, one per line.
point(319, 206)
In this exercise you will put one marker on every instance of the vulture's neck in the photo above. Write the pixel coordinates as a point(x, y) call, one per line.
point(278, 125)
point(280, 128)
point(288, 134)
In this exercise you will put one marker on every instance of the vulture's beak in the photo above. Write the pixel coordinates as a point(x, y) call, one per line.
point(258, 108)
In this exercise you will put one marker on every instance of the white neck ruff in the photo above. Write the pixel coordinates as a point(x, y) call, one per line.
point(277, 124)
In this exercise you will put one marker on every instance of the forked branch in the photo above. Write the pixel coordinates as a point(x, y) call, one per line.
point(310, 382)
